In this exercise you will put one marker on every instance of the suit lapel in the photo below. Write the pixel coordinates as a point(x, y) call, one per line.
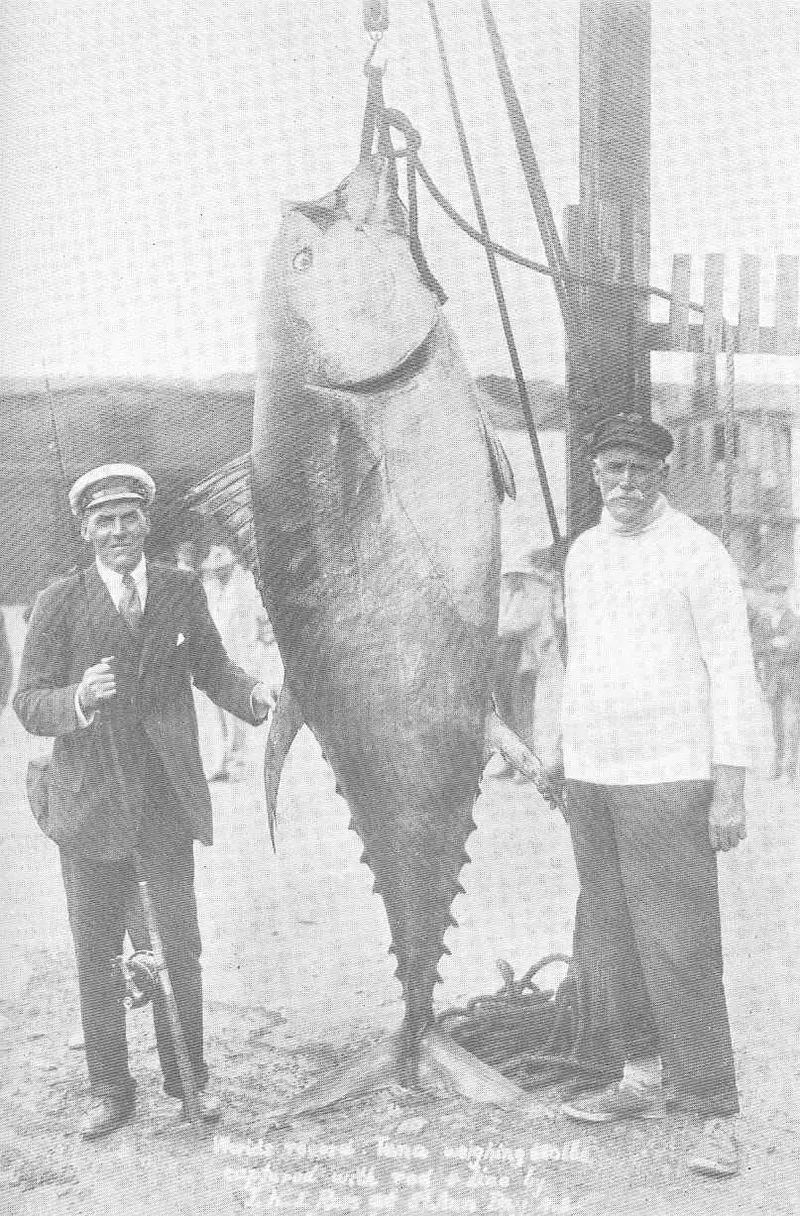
point(104, 621)
point(160, 629)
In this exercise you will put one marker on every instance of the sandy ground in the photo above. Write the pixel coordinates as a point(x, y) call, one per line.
point(297, 978)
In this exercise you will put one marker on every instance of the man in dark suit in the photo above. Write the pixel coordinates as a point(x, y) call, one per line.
point(108, 665)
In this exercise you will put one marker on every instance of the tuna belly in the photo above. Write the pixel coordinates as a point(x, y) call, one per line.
point(395, 683)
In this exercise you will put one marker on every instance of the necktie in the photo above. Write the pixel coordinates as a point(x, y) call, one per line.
point(130, 606)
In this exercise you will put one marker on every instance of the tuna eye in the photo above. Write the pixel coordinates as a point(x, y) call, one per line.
point(303, 259)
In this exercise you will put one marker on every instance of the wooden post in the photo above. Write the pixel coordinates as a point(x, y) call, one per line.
point(609, 238)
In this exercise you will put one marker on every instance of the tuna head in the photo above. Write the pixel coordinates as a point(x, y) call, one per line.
point(344, 293)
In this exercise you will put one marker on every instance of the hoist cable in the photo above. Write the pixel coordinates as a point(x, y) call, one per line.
point(495, 275)
point(556, 259)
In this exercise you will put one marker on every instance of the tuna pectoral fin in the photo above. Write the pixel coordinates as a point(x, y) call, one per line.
point(499, 737)
point(502, 471)
point(286, 722)
point(227, 495)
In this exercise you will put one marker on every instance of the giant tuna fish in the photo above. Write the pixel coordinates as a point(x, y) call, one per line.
point(376, 483)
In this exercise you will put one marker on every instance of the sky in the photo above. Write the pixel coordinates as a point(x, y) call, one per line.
point(146, 149)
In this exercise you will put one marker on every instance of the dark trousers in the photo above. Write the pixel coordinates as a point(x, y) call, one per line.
point(103, 902)
point(648, 879)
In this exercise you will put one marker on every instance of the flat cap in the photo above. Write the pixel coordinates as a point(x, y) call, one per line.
point(631, 431)
point(111, 483)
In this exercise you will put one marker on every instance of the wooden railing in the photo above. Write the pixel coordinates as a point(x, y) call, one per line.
point(704, 333)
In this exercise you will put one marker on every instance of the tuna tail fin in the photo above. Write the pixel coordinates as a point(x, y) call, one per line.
point(502, 471)
point(227, 495)
point(286, 722)
point(499, 737)
point(378, 1067)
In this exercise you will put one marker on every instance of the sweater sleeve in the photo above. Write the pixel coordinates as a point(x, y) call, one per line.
point(719, 611)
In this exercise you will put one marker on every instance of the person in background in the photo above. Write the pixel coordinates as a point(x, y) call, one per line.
point(6, 664)
point(530, 666)
point(776, 646)
point(107, 670)
point(186, 555)
point(238, 614)
point(659, 704)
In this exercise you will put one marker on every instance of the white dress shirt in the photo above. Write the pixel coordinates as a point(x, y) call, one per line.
point(113, 583)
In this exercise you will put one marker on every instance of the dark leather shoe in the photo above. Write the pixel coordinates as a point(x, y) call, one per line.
point(106, 1115)
point(210, 1108)
point(616, 1102)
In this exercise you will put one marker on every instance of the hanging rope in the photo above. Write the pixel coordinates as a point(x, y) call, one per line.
point(504, 252)
point(373, 104)
point(378, 119)
point(495, 275)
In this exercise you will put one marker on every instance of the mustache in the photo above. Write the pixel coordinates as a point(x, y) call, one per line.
point(618, 492)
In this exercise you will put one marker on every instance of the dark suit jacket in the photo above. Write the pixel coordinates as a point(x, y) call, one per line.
point(100, 776)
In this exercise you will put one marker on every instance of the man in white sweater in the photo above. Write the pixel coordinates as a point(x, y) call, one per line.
point(657, 714)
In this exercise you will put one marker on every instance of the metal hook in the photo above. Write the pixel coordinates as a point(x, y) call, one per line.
point(376, 39)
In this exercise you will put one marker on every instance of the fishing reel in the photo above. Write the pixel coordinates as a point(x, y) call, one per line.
point(137, 977)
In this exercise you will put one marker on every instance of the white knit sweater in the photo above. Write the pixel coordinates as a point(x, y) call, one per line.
point(660, 682)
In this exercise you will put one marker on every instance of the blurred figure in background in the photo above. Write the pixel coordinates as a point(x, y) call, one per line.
point(186, 555)
point(237, 612)
point(775, 631)
point(530, 668)
point(6, 664)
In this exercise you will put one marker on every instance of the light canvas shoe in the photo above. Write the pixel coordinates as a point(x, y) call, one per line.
point(616, 1102)
point(716, 1153)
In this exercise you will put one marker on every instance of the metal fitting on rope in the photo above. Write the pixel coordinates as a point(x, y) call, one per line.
point(376, 16)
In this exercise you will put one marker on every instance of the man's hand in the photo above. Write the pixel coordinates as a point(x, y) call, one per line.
point(263, 701)
point(726, 815)
point(97, 686)
point(554, 774)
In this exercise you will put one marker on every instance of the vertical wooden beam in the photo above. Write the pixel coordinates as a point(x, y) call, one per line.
point(713, 321)
point(583, 496)
point(614, 217)
point(786, 306)
point(679, 304)
point(749, 303)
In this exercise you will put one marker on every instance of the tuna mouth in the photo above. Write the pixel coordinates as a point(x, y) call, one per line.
point(411, 366)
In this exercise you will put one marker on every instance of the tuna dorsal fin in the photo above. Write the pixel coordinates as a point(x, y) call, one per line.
point(227, 495)
point(502, 471)
point(286, 722)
